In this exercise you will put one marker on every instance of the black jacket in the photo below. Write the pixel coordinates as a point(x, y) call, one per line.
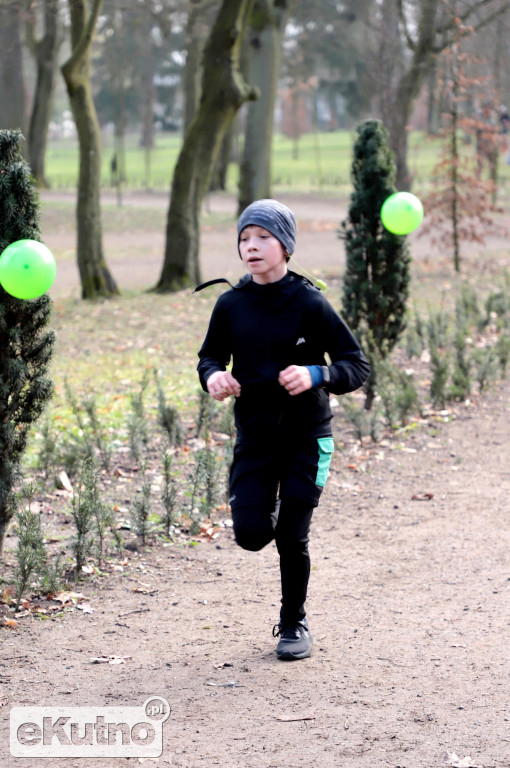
point(264, 329)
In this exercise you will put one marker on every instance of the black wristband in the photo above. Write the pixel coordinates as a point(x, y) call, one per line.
point(326, 376)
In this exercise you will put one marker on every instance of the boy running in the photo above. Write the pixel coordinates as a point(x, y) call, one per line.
point(277, 327)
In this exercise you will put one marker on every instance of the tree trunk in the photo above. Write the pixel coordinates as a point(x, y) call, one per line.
point(195, 36)
point(408, 89)
point(267, 21)
point(390, 58)
point(45, 54)
point(223, 92)
point(433, 103)
point(4, 524)
point(148, 91)
point(12, 102)
point(219, 174)
point(95, 277)
point(118, 64)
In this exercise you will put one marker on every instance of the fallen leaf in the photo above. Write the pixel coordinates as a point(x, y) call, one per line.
point(85, 608)
point(7, 595)
point(11, 623)
point(354, 467)
point(69, 597)
point(422, 497)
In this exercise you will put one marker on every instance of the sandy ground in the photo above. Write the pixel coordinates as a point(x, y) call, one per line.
point(409, 606)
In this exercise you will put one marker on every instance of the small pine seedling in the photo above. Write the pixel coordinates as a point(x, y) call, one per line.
point(503, 351)
point(137, 422)
point(83, 513)
point(169, 494)
point(31, 554)
point(169, 418)
point(206, 412)
point(440, 365)
point(76, 411)
point(98, 434)
point(487, 369)
point(48, 452)
point(357, 416)
point(437, 330)
point(142, 508)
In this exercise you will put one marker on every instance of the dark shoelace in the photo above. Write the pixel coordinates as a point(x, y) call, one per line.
point(287, 633)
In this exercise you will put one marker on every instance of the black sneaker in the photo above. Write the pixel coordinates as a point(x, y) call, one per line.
point(295, 640)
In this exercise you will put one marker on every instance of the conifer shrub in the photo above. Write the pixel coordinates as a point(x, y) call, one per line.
point(377, 275)
point(26, 344)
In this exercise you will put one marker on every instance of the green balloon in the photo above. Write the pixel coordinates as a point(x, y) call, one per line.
point(27, 269)
point(401, 213)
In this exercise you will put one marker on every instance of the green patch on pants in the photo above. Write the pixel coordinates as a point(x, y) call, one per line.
point(326, 448)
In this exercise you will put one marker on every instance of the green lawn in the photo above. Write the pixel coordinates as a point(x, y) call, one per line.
point(318, 162)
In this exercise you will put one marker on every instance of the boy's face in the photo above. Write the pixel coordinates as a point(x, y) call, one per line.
point(263, 255)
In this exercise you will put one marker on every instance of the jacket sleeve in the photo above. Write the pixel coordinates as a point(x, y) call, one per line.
point(214, 354)
point(349, 367)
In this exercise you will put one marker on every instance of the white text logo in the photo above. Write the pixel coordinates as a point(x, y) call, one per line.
point(89, 731)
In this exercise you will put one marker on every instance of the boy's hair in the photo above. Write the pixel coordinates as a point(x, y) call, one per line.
point(273, 216)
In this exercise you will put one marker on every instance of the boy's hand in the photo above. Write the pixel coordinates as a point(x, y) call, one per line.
point(295, 379)
point(221, 384)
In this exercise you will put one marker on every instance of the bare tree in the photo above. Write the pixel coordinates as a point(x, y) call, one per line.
point(197, 26)
point(44, 51)
point(223, 92)
point(264, 44)
point(427, 30)
point(95, 277)
point(13, 112)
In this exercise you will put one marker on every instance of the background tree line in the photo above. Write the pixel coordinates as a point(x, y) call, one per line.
point(217, 69)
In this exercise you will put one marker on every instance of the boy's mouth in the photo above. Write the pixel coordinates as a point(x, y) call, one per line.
point(254, 259)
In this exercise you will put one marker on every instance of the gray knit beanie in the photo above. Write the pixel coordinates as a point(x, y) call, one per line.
point(273, 216)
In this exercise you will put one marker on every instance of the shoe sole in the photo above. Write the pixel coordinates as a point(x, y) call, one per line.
point(288, 656)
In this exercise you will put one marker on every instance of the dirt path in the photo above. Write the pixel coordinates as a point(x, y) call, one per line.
point(319, 249)
point(409, 606)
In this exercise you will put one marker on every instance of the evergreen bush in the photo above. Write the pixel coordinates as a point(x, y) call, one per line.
point(376, 280)
point(26, 345)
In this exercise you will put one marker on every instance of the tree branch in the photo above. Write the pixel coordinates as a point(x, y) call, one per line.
point(467, 13)
point(401, 14)
point(86, 37)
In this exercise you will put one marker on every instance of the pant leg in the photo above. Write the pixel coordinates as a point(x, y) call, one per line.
point(253, 525)
point(291, 534)
point(253, 492)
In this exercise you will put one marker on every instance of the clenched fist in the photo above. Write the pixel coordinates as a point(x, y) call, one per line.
point(222, 384)
point(295, 379)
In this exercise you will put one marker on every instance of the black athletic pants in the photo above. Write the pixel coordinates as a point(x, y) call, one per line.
point(273, 492)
